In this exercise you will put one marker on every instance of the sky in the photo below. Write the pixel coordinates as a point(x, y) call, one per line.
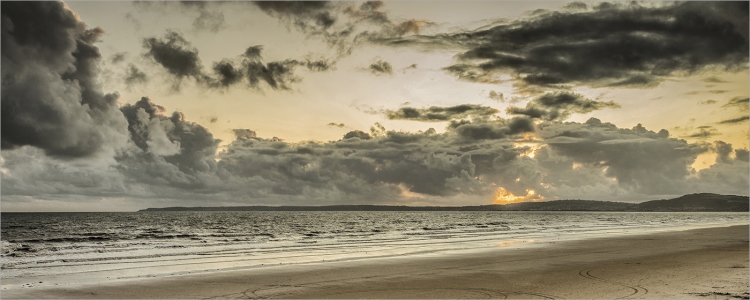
point(120, 106)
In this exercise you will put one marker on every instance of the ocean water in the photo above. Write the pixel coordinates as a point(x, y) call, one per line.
point(83, 247)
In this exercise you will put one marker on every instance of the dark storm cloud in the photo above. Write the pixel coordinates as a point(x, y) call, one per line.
point(473, 159)
point(742, 154)
point(728, 175)
point(357, 134)
point(559, 106)
point(278, 75)
point(622, 44)
point(440, 114)
point(171, 150)
point(226, 73)
point(253, 52)
point(315, 11)
point(738, 102)
point(384, 164)
point(175, 54)
point(174, 158)
point(638, 159)
point(51, 96)
point(181, 60)
point(723, 151)
point(381, 67)
point(735, 120)
point(134, 76)
point(501, 129)
point(359, 166)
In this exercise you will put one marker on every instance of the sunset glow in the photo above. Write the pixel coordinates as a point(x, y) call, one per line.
point(503, 196)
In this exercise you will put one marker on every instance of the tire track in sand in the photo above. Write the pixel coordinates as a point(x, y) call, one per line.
point(636, 289)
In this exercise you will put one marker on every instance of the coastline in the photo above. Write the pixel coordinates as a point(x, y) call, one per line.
point(695, 263)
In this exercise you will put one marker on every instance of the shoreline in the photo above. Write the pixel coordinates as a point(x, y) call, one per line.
point(694, 263)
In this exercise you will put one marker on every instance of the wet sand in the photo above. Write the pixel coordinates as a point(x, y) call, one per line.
point(709, 263)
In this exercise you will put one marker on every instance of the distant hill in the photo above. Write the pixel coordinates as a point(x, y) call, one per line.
point(569, 205)
point(696, 202)
point(693, 202)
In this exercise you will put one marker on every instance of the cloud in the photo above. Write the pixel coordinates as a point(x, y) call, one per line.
point(317, 11)
point(728, 175)
point(741, 154)
point(740, 103)
point(638, 159)
point(176, 161)
point(576, 6)
point(170, 150)
point(713, 80)
point(342, 25)
point(206, 19)
point(278, 75)
point(707, 102)
point(500, 129)
point(118, 57)
point(704, 132)
point(318, 19)
point(253, 52)
point(226, 73)
point(599, 158)
point(51, 96)
point(723, 150)
point(339, 125)
point(180, 59)
point(624, 44)
point(440, 114)
point(735, 120)
point(29, 173)
point(176, 55)
point(134, 76)
point(54, 111)
point(381, 67)
point(496, 96)
point(357, 134)
point(559, 106)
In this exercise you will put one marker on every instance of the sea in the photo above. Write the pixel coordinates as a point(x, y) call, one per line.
point(64, 248)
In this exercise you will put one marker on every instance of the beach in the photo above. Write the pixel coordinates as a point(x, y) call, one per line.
point(707, 263)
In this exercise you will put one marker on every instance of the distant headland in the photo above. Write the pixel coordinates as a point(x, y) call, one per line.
point(703, 202)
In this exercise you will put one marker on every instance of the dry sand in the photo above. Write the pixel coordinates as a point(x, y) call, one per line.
point(709, 263)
